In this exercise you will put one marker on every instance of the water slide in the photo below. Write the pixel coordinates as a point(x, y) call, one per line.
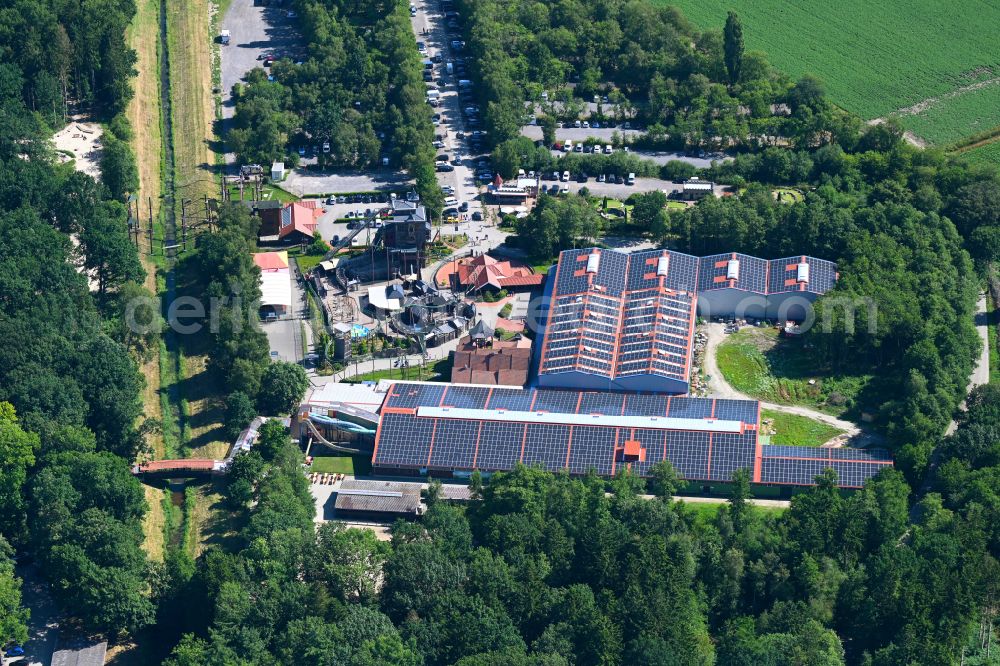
point(327, 443)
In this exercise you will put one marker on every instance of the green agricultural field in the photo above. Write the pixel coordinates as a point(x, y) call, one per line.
point(958, 116)
point(985, 154)
point(878, 57)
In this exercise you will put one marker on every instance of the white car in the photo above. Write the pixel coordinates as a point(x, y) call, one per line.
point(565, 176)
point(451, 201)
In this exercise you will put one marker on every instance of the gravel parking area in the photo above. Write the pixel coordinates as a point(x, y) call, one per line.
point(310, 183)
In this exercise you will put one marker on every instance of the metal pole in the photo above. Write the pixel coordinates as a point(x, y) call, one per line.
point(150, 199)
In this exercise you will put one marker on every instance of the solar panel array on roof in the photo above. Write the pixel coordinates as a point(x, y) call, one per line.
point(800, 465)
point(629, 315)
point(786, 275)
point(750, 272)
point(626, 318)
point(424, 429)
point(435, 428)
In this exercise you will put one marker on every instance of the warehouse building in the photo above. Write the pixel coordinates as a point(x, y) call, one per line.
point(448, 430)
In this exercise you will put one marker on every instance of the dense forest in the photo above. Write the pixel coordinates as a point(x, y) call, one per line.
point(69, 52)
point(359, 87)
point(550, 570)
point(70, 414)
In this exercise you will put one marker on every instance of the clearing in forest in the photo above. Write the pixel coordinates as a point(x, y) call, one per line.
point(877, 58)
point(757, 362)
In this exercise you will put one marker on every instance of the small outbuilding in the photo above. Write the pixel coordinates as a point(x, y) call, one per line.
point(277, 172)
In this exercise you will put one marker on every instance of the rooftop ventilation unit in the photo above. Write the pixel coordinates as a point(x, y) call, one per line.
point(663, 265)
point(802, 273)
point(593, 261)
point(733, 269)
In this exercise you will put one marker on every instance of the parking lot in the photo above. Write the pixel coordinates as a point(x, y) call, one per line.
point(285, 336)
point(310, 183)
point(617, 190)
point(255, 30)
point(429, 27)
point(534, 132)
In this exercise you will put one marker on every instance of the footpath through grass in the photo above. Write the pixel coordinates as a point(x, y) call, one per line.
point(757, 362)
point(796, 430)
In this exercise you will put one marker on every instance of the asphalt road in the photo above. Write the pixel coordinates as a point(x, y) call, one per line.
point(254, 31)
point(284, 336)
point(43, 625)
point(428, 20)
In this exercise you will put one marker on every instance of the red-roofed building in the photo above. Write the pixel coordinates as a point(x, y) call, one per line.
point(298, 222)
point(484, 272)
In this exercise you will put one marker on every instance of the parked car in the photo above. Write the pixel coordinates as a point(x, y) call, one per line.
point(341, 199)
point(601, 178)
point(631, 179)
point(477, 216)
point(444, 167)
point(326, 146)
point(331, 201)
point(608, 149)
point(302, 151)
point(565, 176)
point(463, 207)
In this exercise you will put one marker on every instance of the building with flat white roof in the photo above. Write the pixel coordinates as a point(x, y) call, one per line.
point(275, 283)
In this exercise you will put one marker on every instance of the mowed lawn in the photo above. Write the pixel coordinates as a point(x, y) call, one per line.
point(876, 57)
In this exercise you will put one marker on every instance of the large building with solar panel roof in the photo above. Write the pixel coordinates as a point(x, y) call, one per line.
point(624, 322)
point(615, 356)
point(449, 430)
